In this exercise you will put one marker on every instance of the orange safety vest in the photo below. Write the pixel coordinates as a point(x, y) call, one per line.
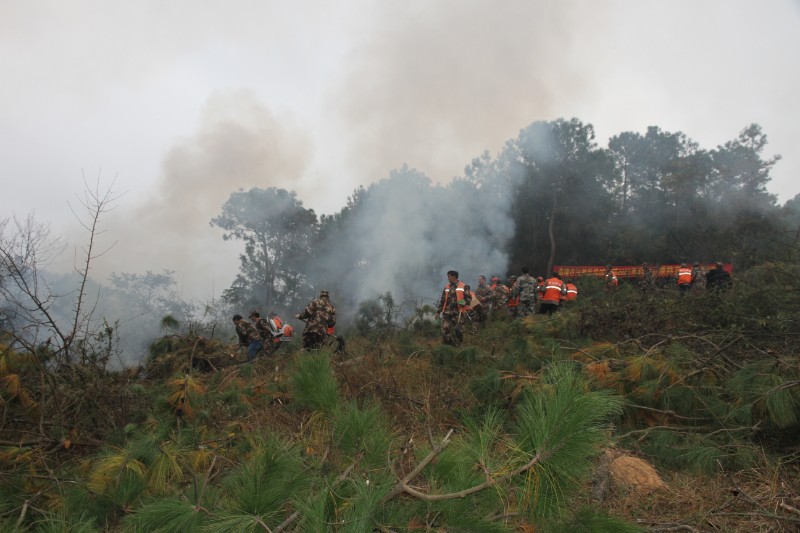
point(512, 302)
point(460, 288)
point(572, 292)
point(286, 329)
point(684, 276)
point(552, 290)
point(611, 279)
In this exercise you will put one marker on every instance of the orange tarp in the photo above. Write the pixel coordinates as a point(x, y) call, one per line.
point(659, 271)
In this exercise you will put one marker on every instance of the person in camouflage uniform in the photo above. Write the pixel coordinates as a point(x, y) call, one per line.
point(484, 294)
point(319, 316)
point(525, 291)
point(698, 277)
point(648, 281)
point(266, 328)
point(452, 306)
point(500, 295)
point(513, 300)
point(248, 336)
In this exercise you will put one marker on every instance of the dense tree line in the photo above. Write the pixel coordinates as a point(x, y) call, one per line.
point(552, 195)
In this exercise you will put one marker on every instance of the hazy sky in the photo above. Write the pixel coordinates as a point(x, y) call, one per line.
point(183, 102)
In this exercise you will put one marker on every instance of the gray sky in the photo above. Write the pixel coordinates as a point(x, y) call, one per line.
point(183, 102)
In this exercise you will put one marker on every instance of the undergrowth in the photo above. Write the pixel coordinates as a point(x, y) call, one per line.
point(402, 433)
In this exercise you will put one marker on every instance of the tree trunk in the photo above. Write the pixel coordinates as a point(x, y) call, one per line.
point(550, 225)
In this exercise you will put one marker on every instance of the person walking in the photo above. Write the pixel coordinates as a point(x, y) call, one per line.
point(319, 316)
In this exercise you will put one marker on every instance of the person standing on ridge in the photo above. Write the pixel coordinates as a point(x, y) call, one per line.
point(698, 277)
point(500, 295)
point(452, 306)
point(572, 291)
point(525, 292)
point(611, 279)
point(718, 278)
point(684, 279)
point(483, 293)
point(319, 316)
point(552, 293)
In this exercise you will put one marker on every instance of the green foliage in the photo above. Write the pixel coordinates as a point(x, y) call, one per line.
point(278, 233)
point(767, 392)
point(376, 318)
point(696, 452)
point(316, 511)
point(565, 423)
point(487, 388)
point(169, 323)
point(588, 520)
point(362, 430)
point(360, 510)
point(312, 384)
point(445, 355)
point(273, 476)
point(167, 515)
point(61, 522)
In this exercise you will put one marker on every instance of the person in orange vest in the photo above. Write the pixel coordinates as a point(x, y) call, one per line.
point(453, 306)
point(572, 291)
point(684, 279)
point(611, 279)
point(513, 298)
point(552, 291)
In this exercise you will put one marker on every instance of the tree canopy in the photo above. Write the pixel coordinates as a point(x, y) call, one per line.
point(552, 195)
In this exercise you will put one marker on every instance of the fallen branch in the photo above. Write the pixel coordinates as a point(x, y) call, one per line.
point(472, 490)
point(402, 484)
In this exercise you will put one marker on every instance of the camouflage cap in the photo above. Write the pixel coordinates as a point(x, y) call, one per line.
point(323, 294)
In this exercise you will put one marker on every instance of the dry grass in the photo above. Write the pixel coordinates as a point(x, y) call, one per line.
point(750, 501)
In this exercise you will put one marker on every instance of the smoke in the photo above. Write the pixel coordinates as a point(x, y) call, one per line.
point(453, 78)
point(239, 144)
point(403, 234)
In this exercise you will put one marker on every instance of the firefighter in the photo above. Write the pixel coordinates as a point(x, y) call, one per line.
point(684, 279)
point(525, 292)
point(551, 293)
point(500, 295)
point(248, 336)
point(320, 317)
point(572, 291)
point(453, 306)
point(718, 278)
point(611, 279)
point(483, 293)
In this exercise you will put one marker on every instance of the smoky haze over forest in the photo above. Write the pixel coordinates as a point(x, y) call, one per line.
point(398, 99)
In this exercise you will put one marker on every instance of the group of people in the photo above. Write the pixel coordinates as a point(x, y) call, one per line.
point(266, 334)
point(688, 279)
point(520, 296)
point(458, 305)
point(525, 295)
